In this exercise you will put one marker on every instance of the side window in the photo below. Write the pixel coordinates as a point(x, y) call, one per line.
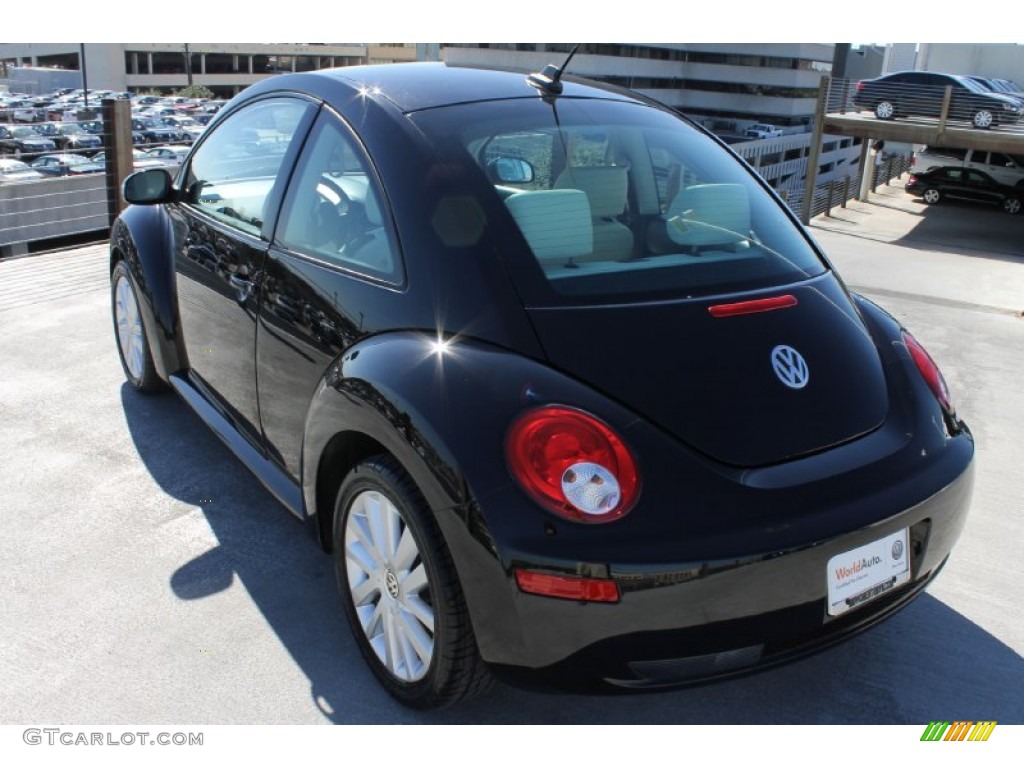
point(979, 156)
point(334, 207)
point(1000, 160)
point(232, 174)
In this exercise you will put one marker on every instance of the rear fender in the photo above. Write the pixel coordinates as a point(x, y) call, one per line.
point(442, 409)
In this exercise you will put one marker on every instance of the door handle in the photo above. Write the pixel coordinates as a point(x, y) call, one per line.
point(244, 288)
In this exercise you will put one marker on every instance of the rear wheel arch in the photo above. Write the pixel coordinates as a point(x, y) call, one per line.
point(344, 451)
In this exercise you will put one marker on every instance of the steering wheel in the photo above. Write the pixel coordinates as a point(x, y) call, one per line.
point(329, 222)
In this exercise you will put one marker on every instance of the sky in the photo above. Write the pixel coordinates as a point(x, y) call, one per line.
point(527, 21)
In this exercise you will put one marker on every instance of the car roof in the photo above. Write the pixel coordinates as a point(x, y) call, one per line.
point(423, 85)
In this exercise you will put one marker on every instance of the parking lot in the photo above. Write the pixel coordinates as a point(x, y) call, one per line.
point(149, 579)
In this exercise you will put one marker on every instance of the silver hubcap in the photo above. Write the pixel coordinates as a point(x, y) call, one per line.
point(884, 110)
point(388, 583)
point(129, 328)
point(983, 119)
point(1012, 205)
point(931, 196)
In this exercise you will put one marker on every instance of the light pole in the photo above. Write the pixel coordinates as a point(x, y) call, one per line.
point(85, 78)
point(188, 65)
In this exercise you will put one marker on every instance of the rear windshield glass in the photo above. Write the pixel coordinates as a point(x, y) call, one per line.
point(619, 201)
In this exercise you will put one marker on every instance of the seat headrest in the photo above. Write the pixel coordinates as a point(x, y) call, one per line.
point(555, 222)
point(709, 214)
point(605, 185)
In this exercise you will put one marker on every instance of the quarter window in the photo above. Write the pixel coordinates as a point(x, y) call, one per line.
point(232, 174)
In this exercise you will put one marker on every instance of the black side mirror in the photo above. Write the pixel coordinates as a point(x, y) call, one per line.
point(148, 187)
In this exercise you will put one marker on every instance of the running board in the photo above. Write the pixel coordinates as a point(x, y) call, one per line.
point(273, 478)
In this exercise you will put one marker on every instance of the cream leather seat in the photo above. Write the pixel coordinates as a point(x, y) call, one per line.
point(556, 224)
point(606, 187)
point(709, 215)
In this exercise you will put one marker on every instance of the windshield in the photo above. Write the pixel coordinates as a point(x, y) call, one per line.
point(616, 200)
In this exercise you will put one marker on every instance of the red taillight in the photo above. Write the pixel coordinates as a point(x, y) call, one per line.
point(912, 179)
point(568, 587)
point(860, 86)
point(751, 307)
point(930, 371)
point(572, 464)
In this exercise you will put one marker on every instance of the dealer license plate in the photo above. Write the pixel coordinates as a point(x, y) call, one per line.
point(862, 574)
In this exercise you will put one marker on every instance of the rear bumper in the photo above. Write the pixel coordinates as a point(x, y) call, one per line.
point(698, 622)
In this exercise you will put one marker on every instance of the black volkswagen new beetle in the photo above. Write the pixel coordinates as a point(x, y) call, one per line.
point(570, 395)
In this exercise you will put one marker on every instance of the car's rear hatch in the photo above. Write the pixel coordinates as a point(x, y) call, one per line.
point(730, 385)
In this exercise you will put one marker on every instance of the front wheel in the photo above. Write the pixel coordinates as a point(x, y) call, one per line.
point(931, 196)
point(132, 344)
point(1012, 205)
point(400, 591)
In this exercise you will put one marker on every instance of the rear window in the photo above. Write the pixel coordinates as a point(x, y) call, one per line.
point(617, 201)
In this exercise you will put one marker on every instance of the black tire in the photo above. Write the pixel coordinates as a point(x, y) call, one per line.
point(931, 196)
point(455, 670)
point(1012, 205)
point(139, 371)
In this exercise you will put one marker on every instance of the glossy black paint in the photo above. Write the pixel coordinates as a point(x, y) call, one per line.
point(312, 368)
point(708, 380)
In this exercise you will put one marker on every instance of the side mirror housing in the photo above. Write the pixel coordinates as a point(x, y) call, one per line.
point(149, 187)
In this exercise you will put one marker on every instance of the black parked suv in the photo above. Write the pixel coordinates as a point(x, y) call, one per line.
point(920, 94)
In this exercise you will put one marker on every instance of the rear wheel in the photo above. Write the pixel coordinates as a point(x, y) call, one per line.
point(983, 118)
point(1012, 205)
point(885, 110)
point(400, 591)
point(931, 196)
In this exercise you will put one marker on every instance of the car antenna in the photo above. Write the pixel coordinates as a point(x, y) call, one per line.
point(550, 80)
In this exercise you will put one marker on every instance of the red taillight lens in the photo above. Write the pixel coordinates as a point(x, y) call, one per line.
point(860, 86)
point(568, 587)
point(930, 371)
point(572, 464)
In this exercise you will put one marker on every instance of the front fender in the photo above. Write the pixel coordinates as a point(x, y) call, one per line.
point(141, 237)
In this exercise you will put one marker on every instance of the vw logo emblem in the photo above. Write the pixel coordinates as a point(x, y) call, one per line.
point(790, 366)
point(391, 583)
point(897, 550)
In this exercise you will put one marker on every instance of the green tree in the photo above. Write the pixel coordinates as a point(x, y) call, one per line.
point(196, 92)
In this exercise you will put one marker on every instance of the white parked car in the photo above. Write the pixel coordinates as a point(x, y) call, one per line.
point(12, 171)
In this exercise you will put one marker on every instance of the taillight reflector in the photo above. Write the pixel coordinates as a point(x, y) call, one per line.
point(568, 587)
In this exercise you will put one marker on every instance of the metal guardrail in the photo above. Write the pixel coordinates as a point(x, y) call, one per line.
point(49, 208)
point(838, 192)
